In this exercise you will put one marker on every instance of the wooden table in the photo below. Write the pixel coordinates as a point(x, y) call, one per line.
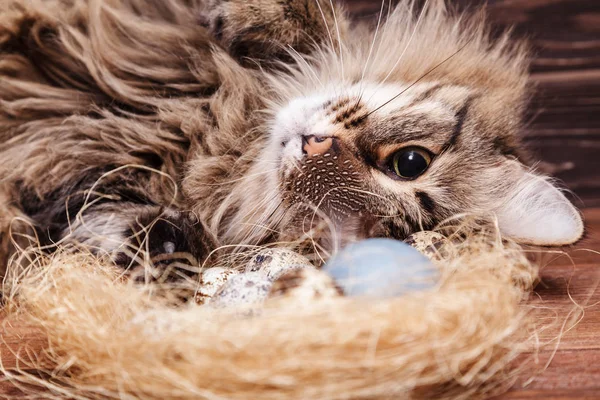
point(574, 371)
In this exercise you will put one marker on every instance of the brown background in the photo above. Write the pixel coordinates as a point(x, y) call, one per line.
point(564, 120)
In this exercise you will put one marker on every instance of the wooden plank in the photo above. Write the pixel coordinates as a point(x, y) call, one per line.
point(554, 395)
point(574, 371)
point(18, 343)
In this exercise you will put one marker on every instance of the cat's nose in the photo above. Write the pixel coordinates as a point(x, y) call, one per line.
point(312, 144)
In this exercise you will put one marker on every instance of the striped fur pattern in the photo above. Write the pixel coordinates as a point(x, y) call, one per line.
point(118, 114)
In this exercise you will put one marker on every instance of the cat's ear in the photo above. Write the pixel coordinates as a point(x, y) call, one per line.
point(536, 212)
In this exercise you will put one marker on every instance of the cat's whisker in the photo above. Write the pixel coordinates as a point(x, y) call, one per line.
point(385, 29)
point(379, 197)
point(234, 248)
point(243, 177)
point(326, 24)
point(270, 224)
point(419, 19)
point(264, 218)
point(248, 235)
point(313, 229)
point(419, 79)
point(365, 68)
point(375, 57)
point(134, 166)
point(340, 44)
point(333, 230)
point(264, 224)
point(246, 158)
point(315, 77)
point(311, 236)
point(256, 232)
point(296, 165)
point(233, 228)
point(260, 205)
point(264, 227)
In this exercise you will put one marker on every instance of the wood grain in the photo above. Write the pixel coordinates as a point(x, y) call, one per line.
point(563, 126)
point(569, 283)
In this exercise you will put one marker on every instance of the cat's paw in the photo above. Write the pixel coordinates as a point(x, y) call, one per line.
point(267, 29)
point(169, 242)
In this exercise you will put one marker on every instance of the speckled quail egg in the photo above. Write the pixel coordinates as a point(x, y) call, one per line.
point(277, 262)
point(305, 285)
point(433, 245)
point(211, 280)
point(247, 289)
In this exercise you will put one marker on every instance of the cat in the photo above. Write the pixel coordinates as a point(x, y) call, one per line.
point(187, 127)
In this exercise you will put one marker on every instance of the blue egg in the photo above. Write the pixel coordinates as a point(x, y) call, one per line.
point(381, 268)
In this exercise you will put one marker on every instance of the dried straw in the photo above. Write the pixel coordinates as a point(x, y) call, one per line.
point(111, 338)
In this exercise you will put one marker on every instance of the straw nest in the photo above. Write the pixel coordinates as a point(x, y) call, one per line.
point(110, 338)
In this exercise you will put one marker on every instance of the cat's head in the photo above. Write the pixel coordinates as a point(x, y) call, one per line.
point(405, 126)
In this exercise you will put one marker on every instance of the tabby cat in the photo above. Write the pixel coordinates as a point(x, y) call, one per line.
point(187, 126)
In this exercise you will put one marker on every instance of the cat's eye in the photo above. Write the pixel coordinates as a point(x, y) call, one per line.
point(410, 163)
